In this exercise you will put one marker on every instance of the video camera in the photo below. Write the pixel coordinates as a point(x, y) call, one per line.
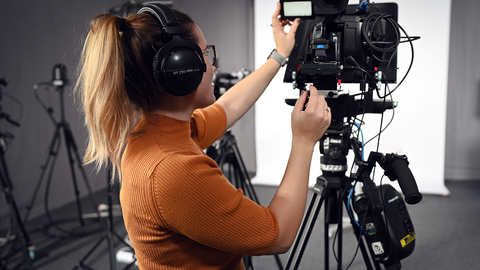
point(357, 44)
point(339, 43)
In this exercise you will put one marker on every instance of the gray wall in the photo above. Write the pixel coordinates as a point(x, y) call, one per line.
point(234, 42)
point(36, 35)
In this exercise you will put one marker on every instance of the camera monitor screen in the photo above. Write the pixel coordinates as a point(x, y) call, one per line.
point(297, 9)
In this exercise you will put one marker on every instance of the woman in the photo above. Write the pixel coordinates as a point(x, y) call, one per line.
point(179, 209)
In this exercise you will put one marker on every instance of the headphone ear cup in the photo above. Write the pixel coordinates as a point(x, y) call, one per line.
point(181, 71)
point(179, 65)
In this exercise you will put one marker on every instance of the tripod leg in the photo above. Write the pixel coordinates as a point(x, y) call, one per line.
point(28, 248)
point(73, 151)
point(80, 265)
point(70, 146)
point(244, 172)
point(307, 224)
point(110, 219)
point(51, 151)
point(326, 244)
point(111, 252)
point(7, 187)
point(109, 234)
point(340, 229)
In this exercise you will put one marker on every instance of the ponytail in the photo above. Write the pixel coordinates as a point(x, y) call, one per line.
point(108, 113)
point(115, 80)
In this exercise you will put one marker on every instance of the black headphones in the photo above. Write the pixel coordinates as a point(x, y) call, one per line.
point(179, 65)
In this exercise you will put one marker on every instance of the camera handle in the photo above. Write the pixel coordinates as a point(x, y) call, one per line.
point(396, 168)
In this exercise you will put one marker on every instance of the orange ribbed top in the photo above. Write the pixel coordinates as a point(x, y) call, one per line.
point(179, 209)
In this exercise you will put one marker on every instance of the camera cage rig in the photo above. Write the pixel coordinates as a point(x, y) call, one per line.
point(345, 43)
point(349, 44)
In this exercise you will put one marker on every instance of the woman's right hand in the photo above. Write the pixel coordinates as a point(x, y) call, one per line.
point(308, 126)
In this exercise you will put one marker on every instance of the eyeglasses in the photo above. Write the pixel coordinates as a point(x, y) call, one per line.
point(211, 54)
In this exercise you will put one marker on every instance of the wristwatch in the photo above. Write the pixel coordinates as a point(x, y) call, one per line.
point(280, 59)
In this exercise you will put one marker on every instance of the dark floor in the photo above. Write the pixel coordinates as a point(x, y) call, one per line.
point(447, 237)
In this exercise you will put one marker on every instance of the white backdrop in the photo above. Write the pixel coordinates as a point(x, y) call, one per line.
point(418, 129)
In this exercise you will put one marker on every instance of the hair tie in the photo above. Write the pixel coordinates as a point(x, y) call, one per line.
point(123, 25)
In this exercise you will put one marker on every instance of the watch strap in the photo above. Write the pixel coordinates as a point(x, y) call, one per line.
point(280, 59)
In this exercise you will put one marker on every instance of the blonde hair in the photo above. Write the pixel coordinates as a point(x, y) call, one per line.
point(108, 112)
point(115, 81)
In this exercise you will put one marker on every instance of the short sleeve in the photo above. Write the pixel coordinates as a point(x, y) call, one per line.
point(208, 125)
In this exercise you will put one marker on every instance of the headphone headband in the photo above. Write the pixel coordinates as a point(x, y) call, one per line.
point(165, 17)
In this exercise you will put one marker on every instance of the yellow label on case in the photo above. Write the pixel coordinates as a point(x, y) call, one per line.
point(407, 239)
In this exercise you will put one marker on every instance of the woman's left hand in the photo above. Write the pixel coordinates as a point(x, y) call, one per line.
point(284, 41)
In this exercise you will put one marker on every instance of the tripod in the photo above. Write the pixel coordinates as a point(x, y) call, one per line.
point(50, 157)
point(109, 234)
point(227, 155)
point(331, 188)
point(7, 188)
point(328, 189)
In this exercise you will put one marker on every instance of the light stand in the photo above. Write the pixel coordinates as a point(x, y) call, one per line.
point(109, 234)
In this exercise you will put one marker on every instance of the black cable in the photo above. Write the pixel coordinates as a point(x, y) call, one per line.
point(358, 241)
point(378, 144)
point(340, 221)
point(367, 32)
point(363, 93)
point(391, 119)
point(358, 67)
point(359, 236)
point(409, 39)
